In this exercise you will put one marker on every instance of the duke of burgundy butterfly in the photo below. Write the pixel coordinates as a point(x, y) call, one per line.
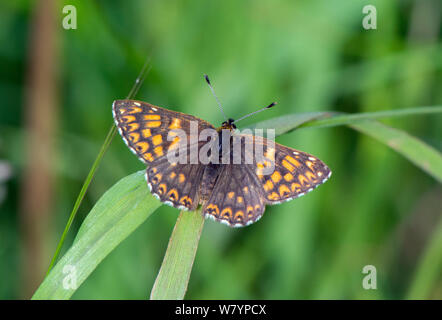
point(232, 192)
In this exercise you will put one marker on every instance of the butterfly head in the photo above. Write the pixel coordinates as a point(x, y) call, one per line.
point(229, 125)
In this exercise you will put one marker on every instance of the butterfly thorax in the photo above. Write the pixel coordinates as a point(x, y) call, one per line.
point(229, 125)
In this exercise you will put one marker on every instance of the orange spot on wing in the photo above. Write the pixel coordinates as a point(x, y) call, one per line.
point(296, 187)
point(287, 165)
point(148, 157)
point(226, 213)
point(158, 139)
point(162, 189)
point(186, 201)
point(310, 165)
point(293, 161)
point(213, 209)
point(128, 119)
point(174, 143)
point(268, 185)
point(176, 124)
point(310, 175)
point(142, 146)
point(134, 110)
point(173, 195)
point(134, 137)
point(273, 196)
point(288, 177)
point(303, 180)
point(146, 133)
point(239, 216)
point(158, 151)
point(284, 191)
point(152, 124)
point(152, 117)
point(276, 177)
point(132, 126)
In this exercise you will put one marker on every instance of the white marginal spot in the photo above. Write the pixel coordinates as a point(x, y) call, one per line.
point(238, 225)
point(169, 203)
point(156, 196)
point(294, 152)
point(154, 109)
point(225, 222)
point(311, 158)
point(137, 104)
point(311, 189)
point(210, 217)
point(301, 194)
point(182, 208)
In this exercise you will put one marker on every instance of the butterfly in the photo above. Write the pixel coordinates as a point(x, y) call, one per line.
point(232, 193)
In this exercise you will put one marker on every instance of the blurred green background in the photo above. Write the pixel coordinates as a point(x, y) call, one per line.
point(57, 87)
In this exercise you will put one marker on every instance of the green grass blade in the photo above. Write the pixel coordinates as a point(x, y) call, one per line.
point(290, 122)
point(128, 203)
point(171, 282)
point(115, 216)
point(107, 141)
point(82, 193)
point(429, 270)
point(415, 150)
point(338, 119)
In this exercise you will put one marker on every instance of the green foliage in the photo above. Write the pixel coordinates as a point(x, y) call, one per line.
point(381, 207)
point(121, 209)
point(110, 220)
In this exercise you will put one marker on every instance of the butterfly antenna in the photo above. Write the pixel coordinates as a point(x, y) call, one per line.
point(140, 79)
point(257, 111)
point(213, 91)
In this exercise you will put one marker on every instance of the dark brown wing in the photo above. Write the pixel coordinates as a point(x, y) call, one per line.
point(236, 199)
point(274, 175)
point(295, 172)
point(145, 129)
